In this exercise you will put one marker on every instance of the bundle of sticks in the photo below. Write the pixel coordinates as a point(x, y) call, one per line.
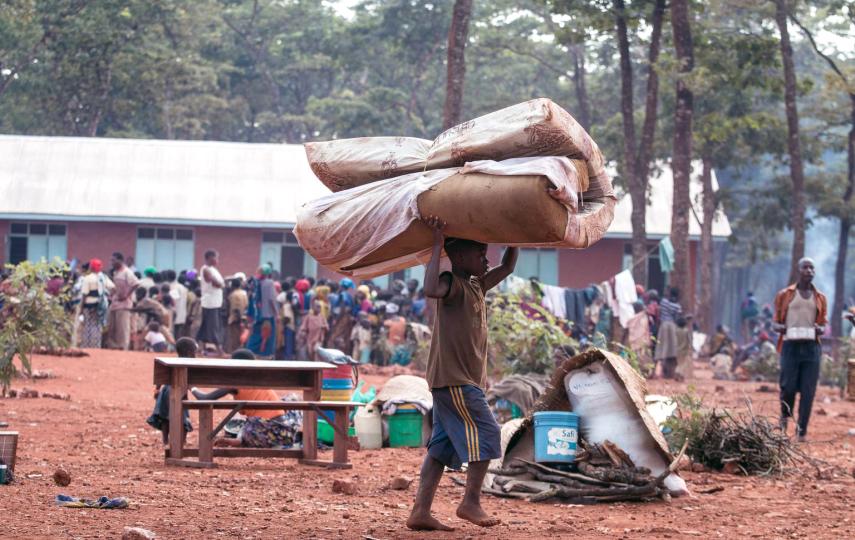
point(745, 443)
point(604, 473)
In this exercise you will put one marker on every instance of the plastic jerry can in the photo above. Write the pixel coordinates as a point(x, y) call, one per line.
point(369, 427)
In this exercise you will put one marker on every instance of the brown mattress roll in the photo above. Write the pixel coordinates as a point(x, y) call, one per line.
point(482, 207)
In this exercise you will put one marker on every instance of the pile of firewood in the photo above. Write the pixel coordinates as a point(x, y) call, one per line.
point(604, 473)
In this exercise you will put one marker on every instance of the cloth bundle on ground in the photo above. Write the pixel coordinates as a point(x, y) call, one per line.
point(548, 200)
point(521, 390)
point(103, 502)
point(405, 389)
point(609, 397)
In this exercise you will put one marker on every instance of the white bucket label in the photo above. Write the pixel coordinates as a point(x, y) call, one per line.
point(561, 441)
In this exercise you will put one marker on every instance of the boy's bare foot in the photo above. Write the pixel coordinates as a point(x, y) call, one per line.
point(426, 523)
point(476, 515)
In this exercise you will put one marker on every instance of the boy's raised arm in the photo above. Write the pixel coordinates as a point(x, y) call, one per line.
point(434, 286)
point(499, 273)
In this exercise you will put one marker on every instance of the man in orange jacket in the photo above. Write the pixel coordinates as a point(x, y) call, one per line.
point(801, 313)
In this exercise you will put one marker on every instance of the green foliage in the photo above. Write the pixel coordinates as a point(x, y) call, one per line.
point(520, 344)
point(30, 317)
point(644, 368)
point(688, 423)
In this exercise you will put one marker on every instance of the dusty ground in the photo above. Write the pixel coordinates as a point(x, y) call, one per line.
point(101, 438)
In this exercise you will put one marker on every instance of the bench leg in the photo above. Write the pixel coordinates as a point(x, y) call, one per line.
point(206, 444)
point(310, 421)
point(178, 380)
point(340, 442)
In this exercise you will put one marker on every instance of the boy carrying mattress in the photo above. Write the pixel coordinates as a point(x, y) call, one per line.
point(464, 430)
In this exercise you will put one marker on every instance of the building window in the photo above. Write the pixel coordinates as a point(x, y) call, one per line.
point(539, 263)
point(164, 248)
point(37, 241)
point(281, 250)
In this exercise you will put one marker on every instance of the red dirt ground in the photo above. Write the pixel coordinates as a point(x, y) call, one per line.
point(101, 438)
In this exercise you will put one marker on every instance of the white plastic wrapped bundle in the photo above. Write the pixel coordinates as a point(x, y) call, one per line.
point(606, 412)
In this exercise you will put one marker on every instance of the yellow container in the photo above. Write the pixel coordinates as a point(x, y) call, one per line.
point(336, 395)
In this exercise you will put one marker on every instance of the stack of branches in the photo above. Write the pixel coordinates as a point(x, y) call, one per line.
point(747, 443)
point(605, 473)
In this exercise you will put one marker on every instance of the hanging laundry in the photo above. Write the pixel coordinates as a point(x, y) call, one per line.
point(626, 296)
point(604, 322)
point(666, 254)
point(553, 300)
point(597, 305)
point(575, 307)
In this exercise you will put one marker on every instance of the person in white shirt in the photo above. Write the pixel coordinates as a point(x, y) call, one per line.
point(178, 292)
point(212, 284)
point(155, 340)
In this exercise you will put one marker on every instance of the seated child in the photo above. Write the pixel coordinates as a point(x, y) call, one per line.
point(263, 428)
point(155, 340)
point(185, 348)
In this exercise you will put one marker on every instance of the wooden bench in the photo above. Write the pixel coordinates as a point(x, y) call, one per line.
point(207, 432)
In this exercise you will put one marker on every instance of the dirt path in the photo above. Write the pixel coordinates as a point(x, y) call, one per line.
point(101, 438)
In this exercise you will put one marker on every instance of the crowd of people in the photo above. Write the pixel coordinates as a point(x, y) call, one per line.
point(274, 317)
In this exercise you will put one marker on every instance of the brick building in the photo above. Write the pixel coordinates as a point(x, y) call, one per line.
point(165, 202)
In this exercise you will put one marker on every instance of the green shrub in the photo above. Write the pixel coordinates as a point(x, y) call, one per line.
point(30, 317)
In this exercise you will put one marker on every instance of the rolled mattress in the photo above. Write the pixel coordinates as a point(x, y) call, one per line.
point(537, 127)
point(374, 229)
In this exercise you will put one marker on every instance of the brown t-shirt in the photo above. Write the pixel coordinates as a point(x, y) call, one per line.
point(458, 347)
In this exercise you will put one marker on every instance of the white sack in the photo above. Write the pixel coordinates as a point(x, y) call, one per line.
point(606, 412)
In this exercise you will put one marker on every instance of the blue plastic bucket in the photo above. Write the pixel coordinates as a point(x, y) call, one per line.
point(555, 436)
point(338, 384)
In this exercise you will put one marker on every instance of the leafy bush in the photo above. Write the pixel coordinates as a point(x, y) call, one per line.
point(30, 317)
point(520, 343)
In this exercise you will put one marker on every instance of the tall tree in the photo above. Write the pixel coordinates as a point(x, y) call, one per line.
point(637, 156)
point(797, 174)
point(458, 34)
point(706, 307)
point(681, 162)
point(734, 124)
point(577, 56)
point(845, 210)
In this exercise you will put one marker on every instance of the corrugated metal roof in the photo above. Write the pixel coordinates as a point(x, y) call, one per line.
point(208, 182)
point(142, 180)
point(660, 199)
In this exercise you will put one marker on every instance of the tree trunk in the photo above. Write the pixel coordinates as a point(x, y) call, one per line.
point(845, 225)
point(583, 114)
point(457, 37)
point(706, 310)
point(793, 144)
point(648, 130)
point(637, 190)
point(637, 158)
point(681, 161)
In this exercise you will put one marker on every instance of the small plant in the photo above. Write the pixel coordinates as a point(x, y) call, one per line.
point(640, 363)
point(30, 317)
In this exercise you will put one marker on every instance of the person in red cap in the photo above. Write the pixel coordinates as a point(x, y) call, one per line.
point(95, 290)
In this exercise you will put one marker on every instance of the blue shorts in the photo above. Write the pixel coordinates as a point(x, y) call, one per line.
point(464, 428)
